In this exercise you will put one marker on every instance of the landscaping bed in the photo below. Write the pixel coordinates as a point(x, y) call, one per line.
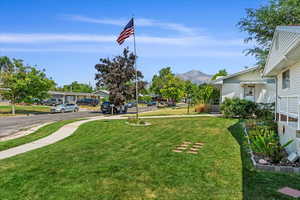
point(265, 148)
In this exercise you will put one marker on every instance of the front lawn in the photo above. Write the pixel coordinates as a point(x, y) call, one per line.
point(24, 110)
point(168, 111)
point(111, 160)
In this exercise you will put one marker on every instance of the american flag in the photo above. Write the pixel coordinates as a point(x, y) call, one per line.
point(127, 32)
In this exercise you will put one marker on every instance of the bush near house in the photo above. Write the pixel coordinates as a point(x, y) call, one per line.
point(236, 107)
point(265, 111)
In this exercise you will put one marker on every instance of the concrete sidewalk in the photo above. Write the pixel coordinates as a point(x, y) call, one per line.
point(69, 129)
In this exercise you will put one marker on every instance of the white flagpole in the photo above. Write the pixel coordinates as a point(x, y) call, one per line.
point(136, 76)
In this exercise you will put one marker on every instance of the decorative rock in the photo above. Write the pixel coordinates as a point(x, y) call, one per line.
point(197, 146)
point(181, 148)
point(290, 192)
point(177, 151)
point(185, 142)
point(293, 157)
point(262, 161)
point(193, 149)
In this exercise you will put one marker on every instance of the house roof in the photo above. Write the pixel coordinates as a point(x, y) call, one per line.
point(73, 93)
point(220, 80)
point(285, 49)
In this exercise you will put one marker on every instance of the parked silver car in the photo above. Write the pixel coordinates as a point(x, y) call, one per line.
point(61, 108)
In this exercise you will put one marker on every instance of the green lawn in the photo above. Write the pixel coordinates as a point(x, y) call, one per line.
point(24, 110)
point(110, 160)
point(40, 133)
point(168, 111)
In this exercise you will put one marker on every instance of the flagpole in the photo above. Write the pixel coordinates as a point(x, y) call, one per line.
point(136, 76)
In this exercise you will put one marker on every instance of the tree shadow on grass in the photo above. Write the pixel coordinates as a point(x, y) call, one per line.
point(261, 185)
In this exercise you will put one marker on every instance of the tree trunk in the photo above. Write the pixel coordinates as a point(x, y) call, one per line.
point(13, 108)
point(188, 108)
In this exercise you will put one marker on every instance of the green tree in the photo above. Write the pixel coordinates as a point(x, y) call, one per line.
point(160, 80)
point(221, 72)
point(118, 76)
point(167, 85)
point(191, 93)
point(76, 87)
point(5, 64)
point(23, 83)
point(208, 94)
point(173, 89)
point(260, 24)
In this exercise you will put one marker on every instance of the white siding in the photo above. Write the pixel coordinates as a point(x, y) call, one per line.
point(284, 38)
point(231, 90)
point(293, 90)
point(250, 76)
point(264, 93)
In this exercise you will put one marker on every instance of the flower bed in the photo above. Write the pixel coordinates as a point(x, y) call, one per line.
point(266, 152)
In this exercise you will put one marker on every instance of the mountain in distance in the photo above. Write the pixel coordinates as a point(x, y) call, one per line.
point(195, 76)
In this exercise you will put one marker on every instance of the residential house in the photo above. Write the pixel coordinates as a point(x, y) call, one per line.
point(283, 63)
point(73, 97)
point(247, 84)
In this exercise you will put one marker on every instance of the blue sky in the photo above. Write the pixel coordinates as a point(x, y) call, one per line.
point(67, 38)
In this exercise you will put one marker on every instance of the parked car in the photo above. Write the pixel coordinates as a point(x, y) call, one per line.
point(61, 108)
point(52, 102)
point(107, 108)
point(151, 103)
point(131, 104)
point(86, 101)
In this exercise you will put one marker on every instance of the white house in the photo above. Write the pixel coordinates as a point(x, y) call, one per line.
point(247, 84)
point(283, 63)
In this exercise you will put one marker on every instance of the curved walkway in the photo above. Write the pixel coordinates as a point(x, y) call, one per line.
point(68, 130)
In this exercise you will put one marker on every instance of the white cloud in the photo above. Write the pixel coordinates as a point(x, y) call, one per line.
point(49, 38)
point(96, 21)
point(14, 38)
point(139, 22)
point(145, 52)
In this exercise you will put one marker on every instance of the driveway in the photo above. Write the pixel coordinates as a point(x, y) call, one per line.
point(10, 125)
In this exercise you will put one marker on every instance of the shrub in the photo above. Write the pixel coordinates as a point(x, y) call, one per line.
point(265, 111)
point(200, 108)
point(134, 120)
point(236, 107)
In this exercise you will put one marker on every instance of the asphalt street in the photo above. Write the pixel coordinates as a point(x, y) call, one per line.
point(10, 125)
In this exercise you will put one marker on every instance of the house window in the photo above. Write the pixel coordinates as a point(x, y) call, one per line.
point(286, 79)
point(249, 92)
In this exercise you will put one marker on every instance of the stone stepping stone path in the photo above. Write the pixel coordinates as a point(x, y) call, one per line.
point(188, 147)
point(290, 192)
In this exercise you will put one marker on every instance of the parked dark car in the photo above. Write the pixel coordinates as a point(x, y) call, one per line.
point(52, 102)
point(107, 108)
point(89, 102)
